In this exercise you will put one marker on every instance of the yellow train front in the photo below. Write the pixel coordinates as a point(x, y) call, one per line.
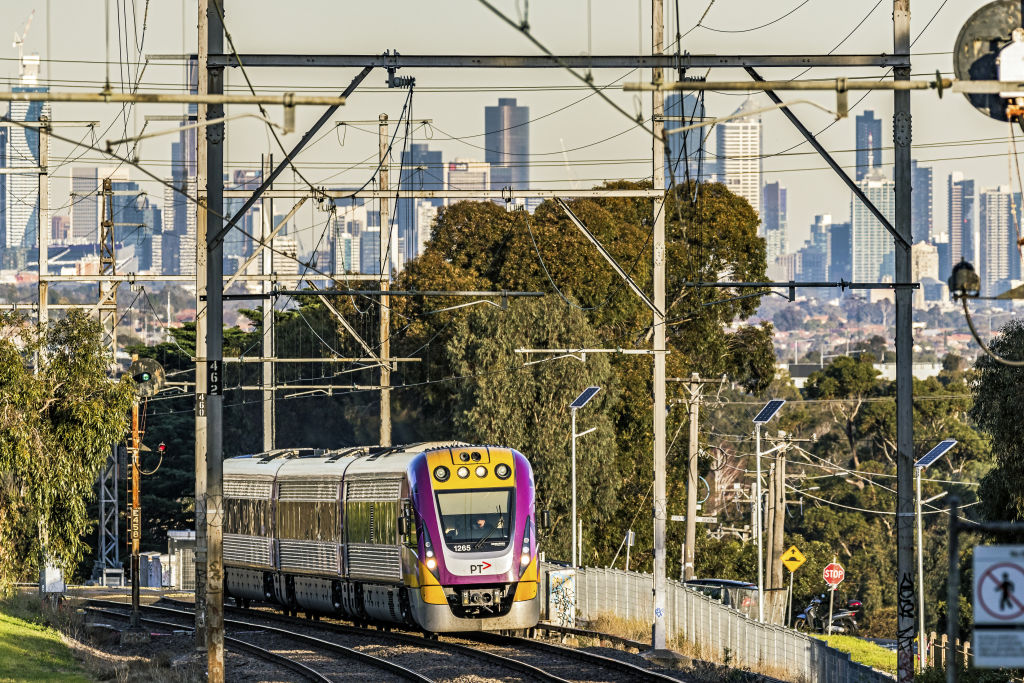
point(438, 536)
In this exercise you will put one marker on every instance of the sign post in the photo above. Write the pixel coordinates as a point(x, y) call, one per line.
point(792, 559)
point(998, 606)
point(833, 575)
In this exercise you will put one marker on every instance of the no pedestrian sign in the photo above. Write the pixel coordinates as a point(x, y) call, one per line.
point(998, 606)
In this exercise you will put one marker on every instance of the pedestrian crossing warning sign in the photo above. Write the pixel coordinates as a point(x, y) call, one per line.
point(998, 606)
point(793, 558)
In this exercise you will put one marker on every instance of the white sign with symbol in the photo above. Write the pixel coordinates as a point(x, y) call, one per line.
point(998, 606)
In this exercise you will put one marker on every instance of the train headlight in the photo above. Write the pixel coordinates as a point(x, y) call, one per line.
point(442, 473)
point(431, 563)
point(481, 471)
point(464, 457)
point(502, 471)
point(430, 553)
point(463, 472)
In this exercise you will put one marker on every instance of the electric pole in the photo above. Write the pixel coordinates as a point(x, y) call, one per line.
point(905, 606)
point(385, 283)
point(202, 82)
point(269, 346)
point(214, 353)
point(658, 176)
point(696, 389)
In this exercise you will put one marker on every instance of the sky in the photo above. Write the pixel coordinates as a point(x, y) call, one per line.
point(569, 124)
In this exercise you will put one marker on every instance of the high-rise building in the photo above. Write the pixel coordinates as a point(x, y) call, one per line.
point(507, 141)
point(869, 144)
point(840, 245)
point(369, 251)
point(422, 169)
point(773, 220)
point(921, 204)
point(86, 202)
point(60, 234)
point(739, 155)
point(237, 242)
point(136, 221)
point(961, 218)
point(468, 174)
point(873, 252)
point(426, 214)
point(180, 212)
point(924, 264)
point(999, 262)
point(816, 255)
point(685, 156)
point(22, 189)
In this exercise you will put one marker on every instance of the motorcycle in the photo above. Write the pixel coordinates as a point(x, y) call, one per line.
point(815, 615)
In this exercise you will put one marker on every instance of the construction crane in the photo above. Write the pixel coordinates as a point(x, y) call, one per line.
point(19, 42)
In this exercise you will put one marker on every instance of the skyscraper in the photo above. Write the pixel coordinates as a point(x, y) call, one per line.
point(773, 218)
point(739, 155)
point(181, 222)
point(468, 174)
point(921, 206)
point(86, 202)
point(840, 244)
point(237, 242)
point(507, 140)
point(961, 218)
point(869, 143)
point(422, 169)
point(999, 260)
point(136, 222)
point(21, 194)
point(872, 249)
point(685, 156)
point(816, 256)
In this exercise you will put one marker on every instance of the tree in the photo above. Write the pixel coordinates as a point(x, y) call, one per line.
point(57, 425)
point(847, 378)
point(997, 409)
point(499, 400)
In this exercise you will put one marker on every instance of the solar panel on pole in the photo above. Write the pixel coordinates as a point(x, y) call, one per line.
point(768, 412)
point(935, 453)
point(585, 397)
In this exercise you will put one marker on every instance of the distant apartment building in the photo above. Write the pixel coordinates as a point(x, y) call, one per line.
point(960, 215)
point(921, 203)
point(87, 201)
point(816, 255)
point(237, 242)
point(872, 249)
point(468, 174)
point(507, 143)
point(999, 261)
point(685, 155)
point(422, 169)
point(739, 155)
point(60, 230)
point(924, 268)
point(773, 221)
point(869, 144)
point(369, 251)
point(840, 245)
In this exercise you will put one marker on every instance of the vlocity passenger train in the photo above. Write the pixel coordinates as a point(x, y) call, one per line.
point(439, 536)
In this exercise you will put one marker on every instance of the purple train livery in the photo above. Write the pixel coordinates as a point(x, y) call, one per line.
point(439, 536)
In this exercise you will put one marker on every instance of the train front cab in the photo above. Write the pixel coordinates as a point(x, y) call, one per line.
point(477, 562)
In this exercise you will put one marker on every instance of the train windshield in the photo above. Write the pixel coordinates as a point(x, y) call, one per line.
point(476, 520)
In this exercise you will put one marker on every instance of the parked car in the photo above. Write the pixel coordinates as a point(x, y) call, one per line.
point(740, 595)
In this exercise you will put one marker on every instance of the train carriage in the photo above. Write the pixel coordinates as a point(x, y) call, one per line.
point(439, 536)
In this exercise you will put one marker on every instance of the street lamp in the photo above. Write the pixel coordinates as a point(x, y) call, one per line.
point(927, 459)
point(581, 400)
point(763, 417)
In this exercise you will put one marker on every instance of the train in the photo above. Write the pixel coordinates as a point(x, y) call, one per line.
point(437, 536)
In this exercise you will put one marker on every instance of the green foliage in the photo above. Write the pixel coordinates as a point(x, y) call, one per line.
point(997, 409)
point(57, 425)
point(863, 651)
point(33, 652)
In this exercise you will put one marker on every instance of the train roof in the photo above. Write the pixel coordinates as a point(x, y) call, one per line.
point(360, 461)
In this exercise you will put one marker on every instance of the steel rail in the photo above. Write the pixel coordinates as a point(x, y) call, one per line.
point(597, 635)
point(377, 662)
point(262, 653)
point(637, 672)
point(419, 641)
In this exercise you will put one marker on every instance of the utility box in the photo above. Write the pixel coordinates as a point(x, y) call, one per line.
point(181, 558)
point(151, 573)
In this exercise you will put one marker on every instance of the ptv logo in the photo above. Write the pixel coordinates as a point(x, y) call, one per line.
point(479, 568)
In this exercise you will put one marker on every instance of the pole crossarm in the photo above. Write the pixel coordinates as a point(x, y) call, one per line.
point(508, 194)
point(842, 284)
point(809, 136)
point(608, 257)
point(938, 84)
point(219, 237)
point(329, 359)
point(287, 99)
point(375, 292)
point(664, 61)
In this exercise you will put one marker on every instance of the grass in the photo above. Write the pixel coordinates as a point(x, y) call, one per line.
point(863, 651)
point(33, 652)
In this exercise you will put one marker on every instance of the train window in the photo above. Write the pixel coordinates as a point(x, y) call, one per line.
point(247, 516)
point(371, 521)
point(307, 520)
point(476, 520)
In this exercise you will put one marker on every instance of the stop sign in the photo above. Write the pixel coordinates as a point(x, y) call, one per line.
point(833, 574)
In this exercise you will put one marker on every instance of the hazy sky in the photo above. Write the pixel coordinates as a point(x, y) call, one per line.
point(454, 100)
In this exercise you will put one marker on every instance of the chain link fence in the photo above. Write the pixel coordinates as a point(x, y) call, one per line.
point(717, 631)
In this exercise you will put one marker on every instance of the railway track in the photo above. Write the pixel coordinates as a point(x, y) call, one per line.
point(534, 660)
point(338, 657)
